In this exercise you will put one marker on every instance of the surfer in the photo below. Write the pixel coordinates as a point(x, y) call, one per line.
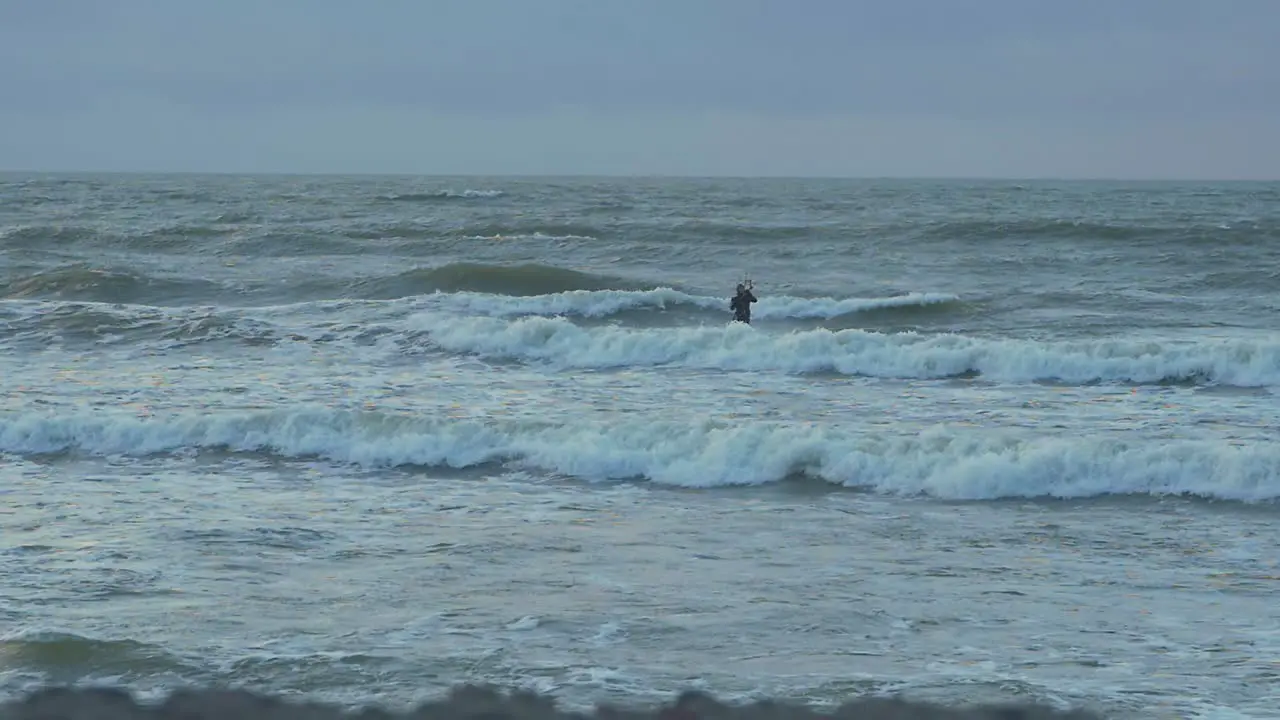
point(741, 303)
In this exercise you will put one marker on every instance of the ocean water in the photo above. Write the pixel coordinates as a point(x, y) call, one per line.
point(360, 439)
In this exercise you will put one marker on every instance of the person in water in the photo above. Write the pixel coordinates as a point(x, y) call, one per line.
point(741, 304)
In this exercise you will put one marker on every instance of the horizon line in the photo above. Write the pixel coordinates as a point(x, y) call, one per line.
point(646, 176)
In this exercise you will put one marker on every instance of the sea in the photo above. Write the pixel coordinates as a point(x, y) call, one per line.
point(361, 439)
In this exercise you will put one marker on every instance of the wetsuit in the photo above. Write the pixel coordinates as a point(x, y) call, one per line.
point(741, 305)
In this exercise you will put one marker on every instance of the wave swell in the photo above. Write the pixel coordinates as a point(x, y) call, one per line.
point(466, 287)
point(84, 282)
point(66, 656)
point(518, 280)
point(108, 285)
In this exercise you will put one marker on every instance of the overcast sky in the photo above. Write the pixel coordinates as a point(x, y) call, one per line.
point(976, 88)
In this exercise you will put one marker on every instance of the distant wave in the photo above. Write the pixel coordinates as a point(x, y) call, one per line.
point(1032, 229)
point(545, 230)
point(39, 236)
point(165, 238)
point(109, 285)
point(438, 195)
point(1172, 231)
point(855, 352)
point(157, 328)
point(941, 462)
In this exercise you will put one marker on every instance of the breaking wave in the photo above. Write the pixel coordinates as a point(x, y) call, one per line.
point(941, 462)
point(735, 347)
point(536, 329)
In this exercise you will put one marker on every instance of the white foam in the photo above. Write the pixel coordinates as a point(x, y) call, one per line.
point(734, 346)
point(785, 306)
point(958, 463)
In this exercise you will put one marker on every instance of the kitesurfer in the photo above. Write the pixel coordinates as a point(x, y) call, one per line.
point(741, 303)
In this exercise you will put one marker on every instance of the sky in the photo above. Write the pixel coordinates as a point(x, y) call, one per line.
point(1149, 89)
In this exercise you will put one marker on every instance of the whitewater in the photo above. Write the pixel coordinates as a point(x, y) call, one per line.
point(331, 437)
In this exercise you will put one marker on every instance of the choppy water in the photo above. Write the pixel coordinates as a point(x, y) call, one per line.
point(364, 438)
